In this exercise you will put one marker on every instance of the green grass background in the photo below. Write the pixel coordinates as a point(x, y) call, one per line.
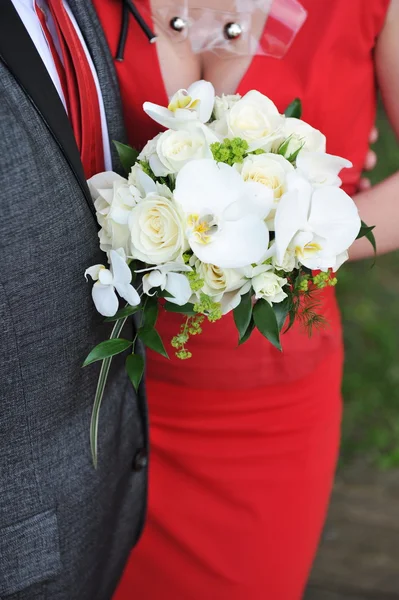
point(369, 300)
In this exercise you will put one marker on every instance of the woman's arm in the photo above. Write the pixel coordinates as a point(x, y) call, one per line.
point(379, 206)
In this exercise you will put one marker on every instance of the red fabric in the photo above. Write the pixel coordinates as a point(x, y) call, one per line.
point(82, 98)
point(57, 60)
point(244, 440)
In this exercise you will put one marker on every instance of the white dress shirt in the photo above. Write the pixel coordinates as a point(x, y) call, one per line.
point(27, 13)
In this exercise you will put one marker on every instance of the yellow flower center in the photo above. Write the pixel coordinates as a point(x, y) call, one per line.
point(201, 227)
point(182, 100)
point(310, 248)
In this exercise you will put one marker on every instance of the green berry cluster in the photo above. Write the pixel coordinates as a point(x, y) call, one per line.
point(206, 305)
point(196, 283)
point(303, 284)
point(230, 151)
point(322, 280)
point(192, 326)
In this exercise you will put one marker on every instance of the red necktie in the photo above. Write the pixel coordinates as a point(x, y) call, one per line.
point(81, 92)
point(57, 60)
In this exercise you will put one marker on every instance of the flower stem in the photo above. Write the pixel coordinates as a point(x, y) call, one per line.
point(102, 380)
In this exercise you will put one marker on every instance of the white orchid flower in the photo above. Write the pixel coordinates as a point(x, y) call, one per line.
point(320, 168)
point(319, 224)
point(194, 104)
point(224, 215)
point(118, 278)
point(166, 278)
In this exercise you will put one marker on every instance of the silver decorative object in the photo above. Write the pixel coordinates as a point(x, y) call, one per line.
point(232, 31)
point(177, 23)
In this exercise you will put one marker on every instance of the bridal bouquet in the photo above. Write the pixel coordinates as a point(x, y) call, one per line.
point(235, 207)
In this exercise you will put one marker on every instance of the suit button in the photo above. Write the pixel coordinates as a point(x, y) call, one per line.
point(140, 461)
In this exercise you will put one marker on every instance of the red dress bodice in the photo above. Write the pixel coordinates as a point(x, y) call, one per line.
point(330, 68)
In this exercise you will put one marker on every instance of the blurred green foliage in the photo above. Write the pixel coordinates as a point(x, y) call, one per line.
point(369, 299)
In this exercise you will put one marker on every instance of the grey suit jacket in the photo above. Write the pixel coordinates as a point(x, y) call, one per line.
point(66, 529)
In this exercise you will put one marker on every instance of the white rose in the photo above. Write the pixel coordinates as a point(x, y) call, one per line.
point(289, 262)
point(156, 230)
point(223, 285)
point(300, 135)
point(114, 198)
point(268, 169)
point(175, 148)
point(149, 149)
point(255, 119)
point(217, 281)
point(268, 285)
point(223, 103)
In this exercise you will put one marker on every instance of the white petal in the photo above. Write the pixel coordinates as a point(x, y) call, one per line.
point(321, 168)
point(128, 293)
point(237, 244)
point(290, 218)
point(262, 198)
point(152, 280)
point(105, 277)
point(120, 269)
point(179, 286)
point(94, 271)
point(205, 92)
point(165, 268)
point(334, 216)
point(204, 185)
point(103, 181)
point(157, 167)
point(340, 259)
point(146, 182)
point(159, 114)
point(156, 279)
point(230, 301)
point(105, 299)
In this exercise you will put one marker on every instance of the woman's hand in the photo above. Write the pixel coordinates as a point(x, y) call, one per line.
point(370, 161)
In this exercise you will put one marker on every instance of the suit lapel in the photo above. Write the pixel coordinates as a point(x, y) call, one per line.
point(93, 34)
point(20, 56)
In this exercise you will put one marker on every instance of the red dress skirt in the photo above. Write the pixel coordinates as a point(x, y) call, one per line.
point(245, 440)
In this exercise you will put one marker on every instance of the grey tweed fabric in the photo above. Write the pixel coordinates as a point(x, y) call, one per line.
point(66, 529)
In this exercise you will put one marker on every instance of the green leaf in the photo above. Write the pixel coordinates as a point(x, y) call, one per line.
point(135, 369)
point(152, 339)
point(163, 294)
point(150, 312)
point(367, 232)
point(291, 320)
point(243, 313)
point(106, 350)
point(127, 155)
point(248, 332)
point(281, 310)
point(294, 109)
point(186, 309)
point(123, 313)
point(266, 322)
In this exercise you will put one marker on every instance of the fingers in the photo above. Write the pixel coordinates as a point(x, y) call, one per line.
point(364, 184)
point(373, 135)
point(370, 161)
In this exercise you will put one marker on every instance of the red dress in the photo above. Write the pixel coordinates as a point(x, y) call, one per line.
point(245, 440)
